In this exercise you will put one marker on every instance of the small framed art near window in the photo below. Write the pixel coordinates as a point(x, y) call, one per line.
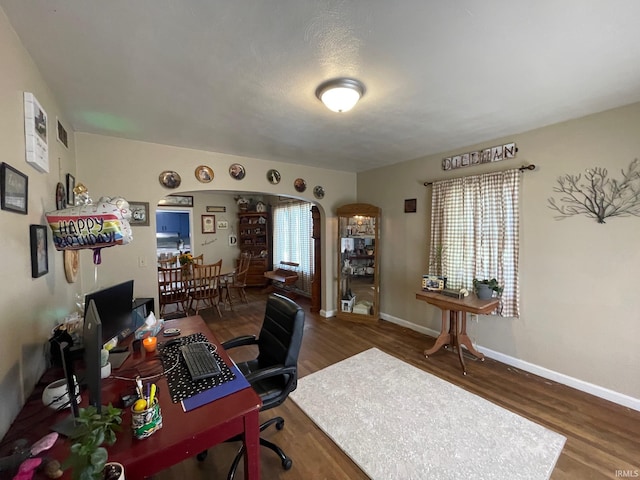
point(208, 223)
point(410, 205)
point(39, 252)
point(14, 187)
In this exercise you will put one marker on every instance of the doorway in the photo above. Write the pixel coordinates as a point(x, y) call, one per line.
point(173, 232)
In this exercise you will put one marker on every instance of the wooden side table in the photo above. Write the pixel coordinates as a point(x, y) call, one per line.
point(456, 335)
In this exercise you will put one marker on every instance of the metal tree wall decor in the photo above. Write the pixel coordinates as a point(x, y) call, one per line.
point(598, 196)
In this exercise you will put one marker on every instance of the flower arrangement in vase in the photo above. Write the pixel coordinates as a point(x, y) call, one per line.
point(185, 260)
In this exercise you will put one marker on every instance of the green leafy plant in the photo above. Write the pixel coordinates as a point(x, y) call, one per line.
point(491, 283)
point(88, 457)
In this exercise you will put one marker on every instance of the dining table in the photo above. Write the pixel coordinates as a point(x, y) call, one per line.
point(186, 278)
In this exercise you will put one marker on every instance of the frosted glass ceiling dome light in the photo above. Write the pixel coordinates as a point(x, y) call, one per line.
point(340, 95)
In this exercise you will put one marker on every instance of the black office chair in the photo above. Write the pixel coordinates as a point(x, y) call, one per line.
point(274, 373)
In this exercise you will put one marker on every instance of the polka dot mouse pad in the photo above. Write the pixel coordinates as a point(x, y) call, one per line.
point(181, 385)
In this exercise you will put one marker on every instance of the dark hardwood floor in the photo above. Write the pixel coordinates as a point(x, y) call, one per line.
point(603, 438)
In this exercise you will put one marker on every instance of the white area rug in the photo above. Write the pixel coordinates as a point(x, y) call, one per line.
point(398, 422)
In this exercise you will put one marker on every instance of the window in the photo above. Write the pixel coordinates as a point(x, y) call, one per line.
point(292, 242)
point(475, 232)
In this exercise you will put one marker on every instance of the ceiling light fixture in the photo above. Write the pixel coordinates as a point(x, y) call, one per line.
point(341, 94)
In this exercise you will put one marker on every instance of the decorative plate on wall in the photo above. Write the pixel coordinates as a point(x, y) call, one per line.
point(170, 179)
point(204, 174)
point(71, 260)
point(273, 176)
point(318, 192)
point(237, 171)
point(300, 185)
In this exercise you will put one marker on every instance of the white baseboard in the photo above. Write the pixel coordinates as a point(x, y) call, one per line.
point(590, 388)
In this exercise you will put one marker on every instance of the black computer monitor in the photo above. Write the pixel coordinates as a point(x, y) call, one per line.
point(114, 304)
point(92, 340)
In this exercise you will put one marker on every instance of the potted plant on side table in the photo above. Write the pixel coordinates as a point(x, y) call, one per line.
point(484, 288)
point(88, 458)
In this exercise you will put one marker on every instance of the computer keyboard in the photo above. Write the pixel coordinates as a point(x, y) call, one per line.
point(200, 361)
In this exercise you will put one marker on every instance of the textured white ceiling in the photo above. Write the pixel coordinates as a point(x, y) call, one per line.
point(240, 76)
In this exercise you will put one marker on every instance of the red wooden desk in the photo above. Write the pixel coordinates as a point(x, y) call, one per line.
point(183, 435)
point(458, 309)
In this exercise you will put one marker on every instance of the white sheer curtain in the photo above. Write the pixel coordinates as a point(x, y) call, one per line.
point(475, 225)
point(292, 242)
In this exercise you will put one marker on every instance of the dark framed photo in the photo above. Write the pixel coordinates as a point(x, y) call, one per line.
point(39, 252)
point(61, 197)
point(14, 188)
point(71, 184)
point(410, 205)
point(208, 223)
point(176, 201)
point(62, 134)
point(139, 214)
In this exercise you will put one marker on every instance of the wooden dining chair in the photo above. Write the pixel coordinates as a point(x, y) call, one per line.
point(238, 281)
point(171, 289)
point(168, 262)
point(199, 259)
point(204, 286)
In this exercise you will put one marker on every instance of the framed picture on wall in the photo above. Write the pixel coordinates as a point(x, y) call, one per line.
point(176, 201)
point(62, 134)
point(36, 133)
point(14, 187)
point(216, 209)
point(139, 214)
point(208, 223)
point(71, 184)
point(410, 205)
point(39, 253)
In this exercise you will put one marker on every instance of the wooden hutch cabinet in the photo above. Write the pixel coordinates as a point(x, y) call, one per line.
point(358, 262)
point(255, 238)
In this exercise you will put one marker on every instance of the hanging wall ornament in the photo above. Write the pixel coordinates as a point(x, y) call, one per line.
point(598, 196)
point(71, 263)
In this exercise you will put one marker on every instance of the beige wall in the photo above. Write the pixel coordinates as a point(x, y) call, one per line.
point(110, 166)
point(579, 316)
point(30, 306)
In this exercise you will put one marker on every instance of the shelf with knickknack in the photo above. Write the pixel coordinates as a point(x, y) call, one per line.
point(254, 237)
point(358, 272)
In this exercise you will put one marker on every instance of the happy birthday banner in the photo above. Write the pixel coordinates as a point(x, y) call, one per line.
point(86, 231)
point(93, 226)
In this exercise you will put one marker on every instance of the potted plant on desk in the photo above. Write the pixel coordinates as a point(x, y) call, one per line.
point(88, 458)
point(484, 288)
